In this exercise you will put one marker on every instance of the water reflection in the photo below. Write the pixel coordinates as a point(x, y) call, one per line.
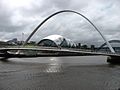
point(44, 73)
point(44, 64)
point(55, 65)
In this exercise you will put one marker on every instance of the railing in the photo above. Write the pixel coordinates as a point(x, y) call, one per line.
point(69, 49)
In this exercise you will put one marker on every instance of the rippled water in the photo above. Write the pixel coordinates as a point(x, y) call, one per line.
point(59, 73)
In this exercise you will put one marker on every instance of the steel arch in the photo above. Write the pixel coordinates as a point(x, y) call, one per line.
point(29, 37)
point(111, 41)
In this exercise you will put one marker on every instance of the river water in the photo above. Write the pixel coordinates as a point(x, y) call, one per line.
point(59, 73)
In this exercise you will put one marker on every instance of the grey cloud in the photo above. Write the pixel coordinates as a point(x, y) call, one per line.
point(4, 15)
point(62, 4)
point(103, 13)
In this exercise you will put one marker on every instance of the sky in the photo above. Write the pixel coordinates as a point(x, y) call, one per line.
point(18, 18)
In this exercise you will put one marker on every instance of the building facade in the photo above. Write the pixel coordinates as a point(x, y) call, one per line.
point(56, 41)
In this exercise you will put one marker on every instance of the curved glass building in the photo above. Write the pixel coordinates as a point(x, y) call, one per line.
point(56, 41)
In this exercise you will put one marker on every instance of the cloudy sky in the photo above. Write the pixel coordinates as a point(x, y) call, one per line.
point(22, 16)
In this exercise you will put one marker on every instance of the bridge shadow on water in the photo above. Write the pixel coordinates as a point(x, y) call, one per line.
point(80, 60)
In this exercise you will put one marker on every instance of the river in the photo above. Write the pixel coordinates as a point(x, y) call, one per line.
point(59, 73)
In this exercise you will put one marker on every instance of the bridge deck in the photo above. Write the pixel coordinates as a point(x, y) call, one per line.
point(51, 51)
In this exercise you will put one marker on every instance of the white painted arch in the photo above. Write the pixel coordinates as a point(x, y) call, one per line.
point(63, 11)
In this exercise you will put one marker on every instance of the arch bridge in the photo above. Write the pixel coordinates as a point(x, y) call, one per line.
point(111, 41)
point(71, 11)
point(6, 52)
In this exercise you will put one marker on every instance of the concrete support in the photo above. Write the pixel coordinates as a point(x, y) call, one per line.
point(113, 59)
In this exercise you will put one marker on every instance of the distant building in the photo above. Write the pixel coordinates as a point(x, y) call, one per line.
point(93, 47)
point(13, 41)
point(20, 42)
point(3, 44)
point(79, 45)
point(56, 41)
point(84, 46)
